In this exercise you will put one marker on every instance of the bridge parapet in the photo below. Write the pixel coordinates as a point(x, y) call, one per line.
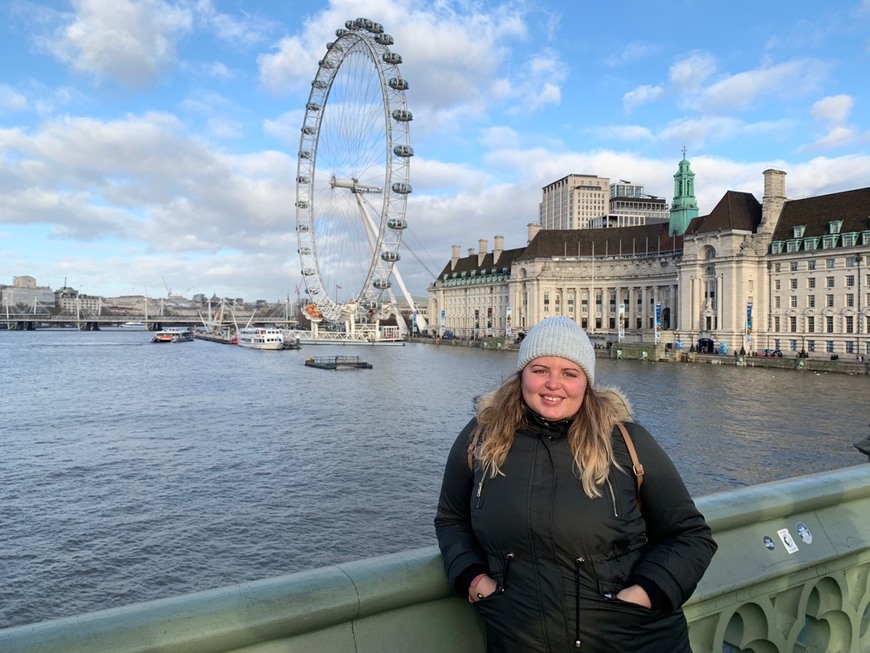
point(810, 592)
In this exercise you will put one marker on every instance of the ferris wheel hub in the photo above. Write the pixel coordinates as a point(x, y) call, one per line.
point(353, 185)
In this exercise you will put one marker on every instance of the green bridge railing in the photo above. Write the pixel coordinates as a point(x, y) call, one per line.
point(805, 588)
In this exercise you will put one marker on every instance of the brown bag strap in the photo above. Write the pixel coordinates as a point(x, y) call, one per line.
point(636, 467)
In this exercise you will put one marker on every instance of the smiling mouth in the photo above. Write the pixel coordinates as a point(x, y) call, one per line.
point(550, 399)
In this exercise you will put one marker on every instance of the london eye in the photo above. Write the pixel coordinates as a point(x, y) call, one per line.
point(352, 179)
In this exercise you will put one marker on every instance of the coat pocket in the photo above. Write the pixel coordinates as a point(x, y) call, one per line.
point(612, 573)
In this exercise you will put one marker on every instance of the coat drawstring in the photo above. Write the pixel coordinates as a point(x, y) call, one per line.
point(509, 558)
point(577, 563)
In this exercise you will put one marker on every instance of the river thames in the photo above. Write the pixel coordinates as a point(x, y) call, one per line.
point(131, 471)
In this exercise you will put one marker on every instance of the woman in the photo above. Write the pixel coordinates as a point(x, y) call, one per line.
point(540, 522)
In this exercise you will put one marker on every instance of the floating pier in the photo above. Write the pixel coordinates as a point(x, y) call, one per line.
point(337, 363)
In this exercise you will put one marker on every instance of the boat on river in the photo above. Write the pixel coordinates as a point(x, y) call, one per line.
point(223, 336)
point(135, 326)
point(266, 338)
point(173, 334)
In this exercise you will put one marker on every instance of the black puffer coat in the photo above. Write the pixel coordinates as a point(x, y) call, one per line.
point(561, 557)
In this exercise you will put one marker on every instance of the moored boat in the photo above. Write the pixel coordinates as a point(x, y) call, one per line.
point(173, 334)
point(266, 338)
point(134, 326)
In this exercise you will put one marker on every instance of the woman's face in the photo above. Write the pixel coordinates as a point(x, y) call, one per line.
point(553, 387)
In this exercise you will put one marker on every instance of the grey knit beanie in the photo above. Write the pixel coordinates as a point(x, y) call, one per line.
point(559, 336)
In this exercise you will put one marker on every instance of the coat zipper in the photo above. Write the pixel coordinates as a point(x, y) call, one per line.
point(612, 498)
point(480, 492)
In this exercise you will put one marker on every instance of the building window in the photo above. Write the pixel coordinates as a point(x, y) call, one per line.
point(850, 347)
point(829, 301)
point(792, 300)
point(793, 324)
point(829, 263)
point(777, 267)
point(792, 345)
point(811, 301)
point(798, 231)
point(829, 324)
point(829, 282)
point(776, 285)
point(850, 324)
point(776, 324)
point(811, 283)
point(850, 280)
point(829, 346)
point(546, 303)
point(776, 302)
point(793, 284)
point(850, 300)
point(811, 345)
point(811, 324)
point(811, 265)
point(794, 266)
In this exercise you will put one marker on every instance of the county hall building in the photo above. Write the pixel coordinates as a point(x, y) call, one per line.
point(789, 275)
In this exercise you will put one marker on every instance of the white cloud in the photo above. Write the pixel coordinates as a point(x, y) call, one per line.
point(249, 30)
point(11, 100)
point(834, 111)
point(835, 108)
point(689, 74)
point(641, 95)
point(785, 80)
point(837, 136)
point(630, 133)
point(129, 42)
point(630, 53)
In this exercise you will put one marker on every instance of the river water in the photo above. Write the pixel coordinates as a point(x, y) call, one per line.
point(131, 471)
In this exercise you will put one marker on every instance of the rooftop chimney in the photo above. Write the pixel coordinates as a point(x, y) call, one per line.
point(773, 200)
point(498, 248)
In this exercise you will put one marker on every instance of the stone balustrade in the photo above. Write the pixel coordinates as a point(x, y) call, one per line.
point(792, 574)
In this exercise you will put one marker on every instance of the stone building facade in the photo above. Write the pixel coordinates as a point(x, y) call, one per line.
point(789, 275)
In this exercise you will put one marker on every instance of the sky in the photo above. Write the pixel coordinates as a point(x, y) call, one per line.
point(150, 146)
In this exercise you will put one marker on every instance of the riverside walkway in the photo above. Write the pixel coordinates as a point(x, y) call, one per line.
point(792, 573)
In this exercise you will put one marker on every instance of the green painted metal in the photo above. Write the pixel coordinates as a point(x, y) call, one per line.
point(685, 206)
point(752, 598)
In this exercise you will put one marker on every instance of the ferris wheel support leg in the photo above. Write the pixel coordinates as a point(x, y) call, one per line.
point(421, 321)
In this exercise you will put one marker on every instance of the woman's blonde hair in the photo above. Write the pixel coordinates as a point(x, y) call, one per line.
point(502, 412)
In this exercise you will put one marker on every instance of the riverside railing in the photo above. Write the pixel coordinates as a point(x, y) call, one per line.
point(792, 574)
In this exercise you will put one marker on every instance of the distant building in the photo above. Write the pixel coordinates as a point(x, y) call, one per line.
point(630, 206)
point(574, 201)
point(25, 296)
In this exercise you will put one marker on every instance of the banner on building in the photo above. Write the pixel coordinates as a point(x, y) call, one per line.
point(507, 321)
point(621, 322)
point(443, 320)
point(748, 322)
point(658, 321)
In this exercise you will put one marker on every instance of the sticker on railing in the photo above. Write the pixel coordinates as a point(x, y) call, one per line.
point(787, 540)
point(804, 533)
point(768, 543)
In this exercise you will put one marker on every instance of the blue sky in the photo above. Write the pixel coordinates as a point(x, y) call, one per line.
point(151, 145)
